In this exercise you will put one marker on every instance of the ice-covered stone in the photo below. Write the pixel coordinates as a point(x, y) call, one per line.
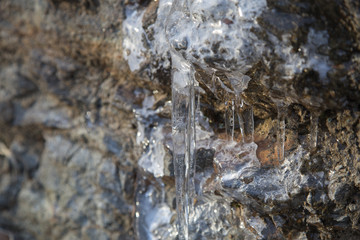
point(133, 43)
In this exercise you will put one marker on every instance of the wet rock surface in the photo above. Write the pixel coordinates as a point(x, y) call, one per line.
point(85, 118)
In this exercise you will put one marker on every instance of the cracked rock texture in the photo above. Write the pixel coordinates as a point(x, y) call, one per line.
point(68, 127)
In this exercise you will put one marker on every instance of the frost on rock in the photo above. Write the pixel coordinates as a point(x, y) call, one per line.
point(134, 50)
point(153, 212)
point(308, 56)
point(152, 160)
point(160, 46)
point(153, 215)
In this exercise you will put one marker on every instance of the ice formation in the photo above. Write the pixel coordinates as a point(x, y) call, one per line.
point(152, 159)
point(153, 215)
point(189, 31)
point(216, 33)
point(184, 140)
point(134, 50)
point(218, 38)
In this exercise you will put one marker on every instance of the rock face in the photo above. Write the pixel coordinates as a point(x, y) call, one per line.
point(85, 123)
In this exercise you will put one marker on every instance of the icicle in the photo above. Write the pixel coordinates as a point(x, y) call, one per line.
point(246, 120)
point(229, 117)
point(233, 120)
point(212, 87)
point(314, 122)
point(280, 136)
point(183, 134)
point(192, 136)
point(248, 116)
point(226, 122)
point(241, 124)
point(197, 105)
point(239, 104)
point(239, 83)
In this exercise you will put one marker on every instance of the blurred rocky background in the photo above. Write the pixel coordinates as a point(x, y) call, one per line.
point(77, 125)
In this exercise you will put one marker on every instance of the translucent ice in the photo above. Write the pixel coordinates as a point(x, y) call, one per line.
point(152, 139)
point(184, 138)
point(134, 49)
point(217, 30)
point(153, 160)
point(153, 216)
point(193, 28)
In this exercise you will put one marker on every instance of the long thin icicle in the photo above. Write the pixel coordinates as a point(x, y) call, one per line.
point(246, 120)
point(183, 134)
point(314, 122)
point(233, 120)
point(280, 136)
point(239, 104)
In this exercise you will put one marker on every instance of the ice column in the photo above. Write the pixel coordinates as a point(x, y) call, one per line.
point(183, 134)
